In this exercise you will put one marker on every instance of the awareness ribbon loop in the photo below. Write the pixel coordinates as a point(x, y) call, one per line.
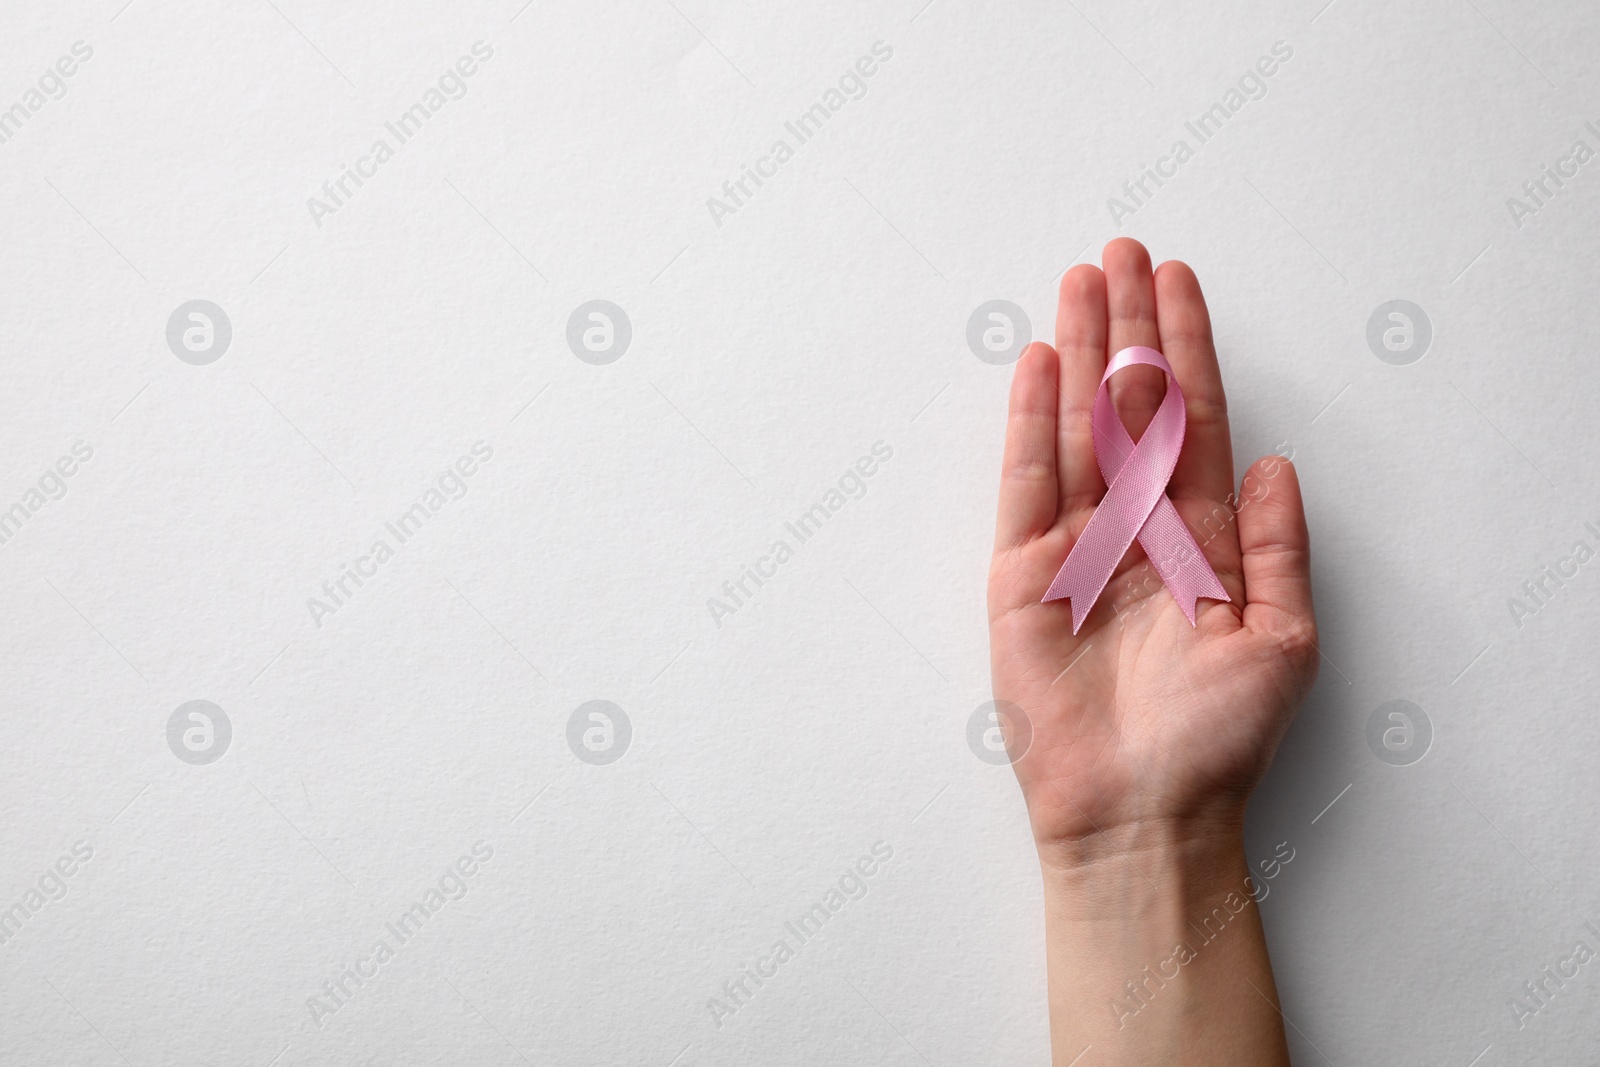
point(1136, 503)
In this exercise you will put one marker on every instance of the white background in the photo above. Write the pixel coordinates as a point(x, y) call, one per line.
point(374, 345)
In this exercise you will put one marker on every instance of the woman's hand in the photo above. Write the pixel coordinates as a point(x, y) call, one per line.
point(1141, 718)
point(1138, 740)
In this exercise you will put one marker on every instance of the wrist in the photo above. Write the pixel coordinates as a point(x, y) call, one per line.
point(1075, 823)
point(1189, 832)
point(1170, 866)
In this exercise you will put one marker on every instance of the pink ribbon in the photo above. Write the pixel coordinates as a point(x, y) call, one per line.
point(1136, 503)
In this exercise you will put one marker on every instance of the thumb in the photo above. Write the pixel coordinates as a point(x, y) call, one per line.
point(1277, 554)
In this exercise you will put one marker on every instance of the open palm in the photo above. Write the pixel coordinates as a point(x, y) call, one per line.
point(1140, 718)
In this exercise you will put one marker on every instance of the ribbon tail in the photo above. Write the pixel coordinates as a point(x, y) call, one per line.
point(1187, 589)
point(1189, 580)
point(1083, 577)
point(1074, 582)
point(1094, 557)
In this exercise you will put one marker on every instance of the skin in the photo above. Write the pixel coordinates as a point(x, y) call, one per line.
point(1147, 735)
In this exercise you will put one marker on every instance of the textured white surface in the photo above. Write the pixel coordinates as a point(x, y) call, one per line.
point(375, 344)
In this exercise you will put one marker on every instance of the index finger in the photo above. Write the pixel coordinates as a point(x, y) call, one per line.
point(1205, 466)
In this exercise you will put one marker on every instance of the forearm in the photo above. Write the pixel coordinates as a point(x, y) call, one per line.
point(1156, 952)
